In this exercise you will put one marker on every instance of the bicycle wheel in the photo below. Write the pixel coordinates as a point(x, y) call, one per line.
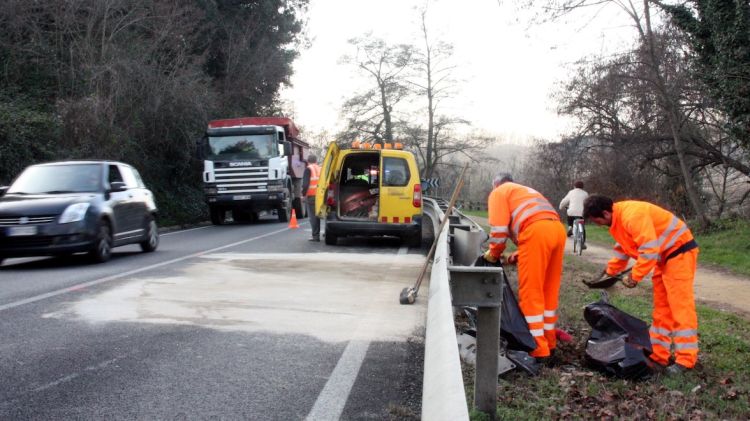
point(577, 239)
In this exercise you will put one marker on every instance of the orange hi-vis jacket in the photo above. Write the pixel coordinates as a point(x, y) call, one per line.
point(512, 207)
point(644, 232)
point(314, 176)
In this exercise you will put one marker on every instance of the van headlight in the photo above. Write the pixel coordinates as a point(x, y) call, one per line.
point(74, 213)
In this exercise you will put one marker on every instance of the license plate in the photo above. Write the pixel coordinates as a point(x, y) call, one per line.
point(21, 231)
point(242, 197)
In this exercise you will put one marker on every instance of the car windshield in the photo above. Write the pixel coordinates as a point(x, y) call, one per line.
point(255, 146)
point(51, 179)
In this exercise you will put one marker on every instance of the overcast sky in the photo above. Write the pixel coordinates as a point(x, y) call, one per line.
point(508, 70)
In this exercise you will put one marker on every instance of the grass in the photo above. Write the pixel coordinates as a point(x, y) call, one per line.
point(718, 388)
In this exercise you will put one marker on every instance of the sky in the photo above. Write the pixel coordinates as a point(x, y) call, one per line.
point(508, 69)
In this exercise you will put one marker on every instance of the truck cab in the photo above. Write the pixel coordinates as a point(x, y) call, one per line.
point(252, 165)
point(370, 190)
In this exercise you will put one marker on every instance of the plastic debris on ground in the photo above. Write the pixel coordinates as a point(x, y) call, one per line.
point(619, 343)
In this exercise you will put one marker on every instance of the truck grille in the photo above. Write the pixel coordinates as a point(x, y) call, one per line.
point(242, 180)
point(25, 220)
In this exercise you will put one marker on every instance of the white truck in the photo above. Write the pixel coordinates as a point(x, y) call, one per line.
point(252, 165)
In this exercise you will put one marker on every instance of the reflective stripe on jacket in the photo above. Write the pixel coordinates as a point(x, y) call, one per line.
point(314, 176)
point(644, 232)
point(512, 207)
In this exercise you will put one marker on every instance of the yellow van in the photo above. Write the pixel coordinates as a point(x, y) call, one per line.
point(370, 190)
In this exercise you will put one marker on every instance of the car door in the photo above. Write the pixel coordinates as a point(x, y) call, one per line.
point(137, 201)
point(119, 203)
point(326, 173)
point(395, 195)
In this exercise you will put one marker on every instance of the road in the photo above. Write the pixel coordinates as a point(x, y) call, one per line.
point(221, 322)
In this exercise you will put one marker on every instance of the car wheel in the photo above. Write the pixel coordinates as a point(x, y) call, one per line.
point(102, 250)
point(152, 236)
point(218, 215)
point(331, 239)
point(285, 211)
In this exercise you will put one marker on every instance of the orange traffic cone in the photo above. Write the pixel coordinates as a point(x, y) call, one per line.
point(293, 221)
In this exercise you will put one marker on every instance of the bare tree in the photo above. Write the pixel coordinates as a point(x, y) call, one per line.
point(370, 113)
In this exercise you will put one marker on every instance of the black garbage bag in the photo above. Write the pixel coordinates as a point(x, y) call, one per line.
point(513, 326)
point(619, 343)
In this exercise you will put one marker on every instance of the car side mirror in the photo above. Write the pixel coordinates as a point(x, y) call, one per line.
point(117, 186)
point(3, 189)
point(287, 148)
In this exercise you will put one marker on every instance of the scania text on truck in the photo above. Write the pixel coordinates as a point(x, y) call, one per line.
point(251, 165)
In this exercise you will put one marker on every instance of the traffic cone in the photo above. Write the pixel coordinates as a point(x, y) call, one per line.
point(293, 221)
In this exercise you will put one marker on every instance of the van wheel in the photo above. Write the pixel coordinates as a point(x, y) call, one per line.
point(331, 239)
point(102, 250)
point(414, 240)
point(152, 236)
point(218, 215)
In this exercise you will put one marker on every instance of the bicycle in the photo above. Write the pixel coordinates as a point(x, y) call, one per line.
point(578, 238)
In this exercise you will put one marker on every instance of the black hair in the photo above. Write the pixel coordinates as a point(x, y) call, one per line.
point(595, 205)
point(578, 184)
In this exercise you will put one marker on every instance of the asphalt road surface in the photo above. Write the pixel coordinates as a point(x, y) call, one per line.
point(246, 322)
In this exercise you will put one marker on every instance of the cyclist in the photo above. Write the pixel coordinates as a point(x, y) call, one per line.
point(573, 202)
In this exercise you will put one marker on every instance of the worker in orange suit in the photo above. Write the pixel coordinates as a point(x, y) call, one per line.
point(524, 216)
point(661, 242)
point(310, 186)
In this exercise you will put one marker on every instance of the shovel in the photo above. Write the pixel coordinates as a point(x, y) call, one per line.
point(408, 295)
point(606, 281)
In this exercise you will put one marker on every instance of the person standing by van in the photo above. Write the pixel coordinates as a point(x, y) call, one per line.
point(572, 203)
point(529, 220)
point(310, 187)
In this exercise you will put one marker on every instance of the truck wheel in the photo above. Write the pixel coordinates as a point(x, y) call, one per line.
point(285, 211)
point(218, 215)
point(299, 207)
point(331, 239)
point(152, 236)
point(414, 240)
point(102, 250)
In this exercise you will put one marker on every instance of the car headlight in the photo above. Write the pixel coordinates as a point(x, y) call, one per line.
point(74, 213)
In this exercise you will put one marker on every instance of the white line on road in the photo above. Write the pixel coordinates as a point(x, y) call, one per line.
point(181, 231)
point(332, 399)
point(128, 273)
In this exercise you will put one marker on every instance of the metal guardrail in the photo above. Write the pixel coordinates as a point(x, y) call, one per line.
point(443, 393)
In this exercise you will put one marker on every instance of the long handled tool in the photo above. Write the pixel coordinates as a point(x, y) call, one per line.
point(408, 295)
point(606, 281)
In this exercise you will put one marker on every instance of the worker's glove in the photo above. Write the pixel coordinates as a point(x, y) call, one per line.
point(490, 258)
point(513, 258)
point(628, 281)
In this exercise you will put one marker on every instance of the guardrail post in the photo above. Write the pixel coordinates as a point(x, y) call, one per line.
point(482, 287)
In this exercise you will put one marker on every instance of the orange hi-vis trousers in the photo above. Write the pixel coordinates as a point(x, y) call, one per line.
point(675, 321)
point(540, 257)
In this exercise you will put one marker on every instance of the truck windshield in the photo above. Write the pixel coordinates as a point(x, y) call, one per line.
point(255, 146)
point(74, 178)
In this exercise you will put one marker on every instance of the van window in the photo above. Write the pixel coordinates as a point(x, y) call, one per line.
point(395, 172)
point(114, 174)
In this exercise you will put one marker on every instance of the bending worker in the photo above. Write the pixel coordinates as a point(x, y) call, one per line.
point(310, 187)
point(572, 203)
point(661, 242)
point(529, 220)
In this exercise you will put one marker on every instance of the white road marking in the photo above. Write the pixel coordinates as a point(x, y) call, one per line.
point(181, 231)
point(128, 273)
point(332, 399)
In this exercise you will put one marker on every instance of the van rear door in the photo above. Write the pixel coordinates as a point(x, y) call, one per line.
point(326, 173)
point(396, 185)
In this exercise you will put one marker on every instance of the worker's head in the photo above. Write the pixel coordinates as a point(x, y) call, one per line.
point(598, 209)
point(501, 178)
point(578, 184)
point(312, 159)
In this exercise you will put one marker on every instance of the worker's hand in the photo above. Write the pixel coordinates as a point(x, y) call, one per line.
point(629, 282)
point(490, 258)
point(513, 258)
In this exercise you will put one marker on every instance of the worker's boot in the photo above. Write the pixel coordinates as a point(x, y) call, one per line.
point(674, 370)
